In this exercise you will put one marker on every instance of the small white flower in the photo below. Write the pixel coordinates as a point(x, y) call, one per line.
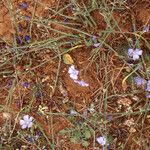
point(26, 122)
point(101, 140)
point(81, 83)
point(73, 73)
point(134, 53)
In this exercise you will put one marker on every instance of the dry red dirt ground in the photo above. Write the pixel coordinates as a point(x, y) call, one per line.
point(50, 85)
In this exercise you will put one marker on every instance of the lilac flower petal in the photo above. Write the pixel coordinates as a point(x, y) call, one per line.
point(26, 84)
point(24, 126)
point(26, 117)
point(73, 72)
point(148, 86)
point(30, 124)
point(26, 122)
point(73, 112)
point(71, 68)
point(73, 76)
point(135, 57)
point(146, 28)
point(94, 38)
point(138, 52)
point(134, 53)
point(22, 122)
point(31, 118)
point(148, 95)
point(139, 81)
point(130, 52)
point(97, 44)
point(81, 83)
point(84, 84)
point(76, 81)
point(27, 38)
point(23, 5)
point(101, 140)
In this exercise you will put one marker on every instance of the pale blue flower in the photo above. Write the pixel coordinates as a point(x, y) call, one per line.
point(73, 72)
point(146, 29)
point(101, 140)
point(81, 83)
point(139, 81)
point(148, 86)
point(134, 53)
point(26, 122)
